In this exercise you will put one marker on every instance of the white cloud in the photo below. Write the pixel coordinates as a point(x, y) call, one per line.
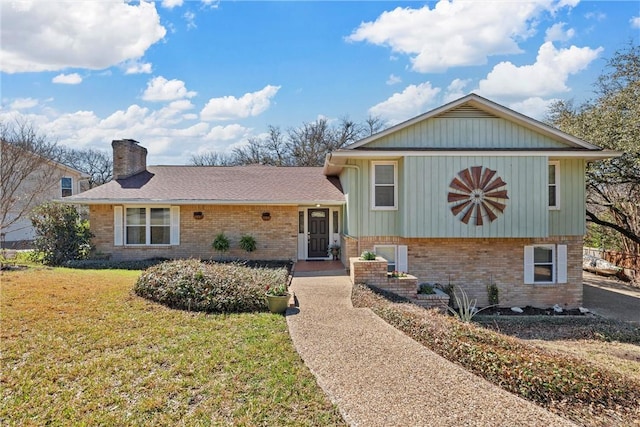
point(598, 16)
point(556, 32)
point(393, 79)
point(137, 67)
point(23, 103)
point(190, 17)
point(161, 89)
point(413, 100)
point(455, 90)
point(547, 76)
point(54, 35)
point(67, 79)
point(635, 22)
point(456, 32)
point(234, 132)
point(248, 105)
point(170, 4)
point(534, 107)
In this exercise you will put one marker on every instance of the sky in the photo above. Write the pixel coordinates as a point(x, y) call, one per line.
point(188, 77)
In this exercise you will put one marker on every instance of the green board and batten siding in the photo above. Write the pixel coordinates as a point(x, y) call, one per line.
point(465, 133)
point(423, 210)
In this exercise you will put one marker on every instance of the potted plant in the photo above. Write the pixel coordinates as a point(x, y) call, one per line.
point(277, 298)
point(334, 250)
point(368, 256)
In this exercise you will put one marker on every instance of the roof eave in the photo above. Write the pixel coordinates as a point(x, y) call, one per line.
point(107, 201)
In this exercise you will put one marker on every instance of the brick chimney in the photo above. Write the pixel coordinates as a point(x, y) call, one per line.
point(129, 158)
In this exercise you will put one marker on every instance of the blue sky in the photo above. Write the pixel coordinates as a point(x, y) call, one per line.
point(186, 77)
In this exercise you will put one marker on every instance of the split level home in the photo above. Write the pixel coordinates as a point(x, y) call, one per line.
point(28, 181)
point(470, 193)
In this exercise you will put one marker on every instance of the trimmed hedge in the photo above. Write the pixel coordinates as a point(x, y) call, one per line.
point(211, 287)
point(561, 383)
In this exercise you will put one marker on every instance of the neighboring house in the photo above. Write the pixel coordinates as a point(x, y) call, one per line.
point(44, 180)
point(469, 193)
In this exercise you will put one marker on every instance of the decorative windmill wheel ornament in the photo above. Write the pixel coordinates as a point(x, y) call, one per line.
point(476, 193)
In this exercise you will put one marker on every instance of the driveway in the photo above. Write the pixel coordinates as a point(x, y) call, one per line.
point(611, 298)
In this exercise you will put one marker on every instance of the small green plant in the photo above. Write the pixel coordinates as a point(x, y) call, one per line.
point(221, 243)
point(279, 290)
point(368, 256)
point(493, 293)
point(248, 243)
point(396, 274)
point(466, 307)
point(426, 289)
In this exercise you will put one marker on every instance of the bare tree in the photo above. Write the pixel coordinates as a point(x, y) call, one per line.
point(374, 124)
point(212, 159)
point(98, 165)
point(27, 171)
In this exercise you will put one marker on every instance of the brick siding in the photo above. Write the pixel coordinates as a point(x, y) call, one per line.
point(473, 263)
point(276, 239)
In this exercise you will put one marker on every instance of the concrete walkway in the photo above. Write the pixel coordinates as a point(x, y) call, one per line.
point(377, 376)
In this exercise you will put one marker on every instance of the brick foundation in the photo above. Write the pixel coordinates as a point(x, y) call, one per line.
point(473, 263)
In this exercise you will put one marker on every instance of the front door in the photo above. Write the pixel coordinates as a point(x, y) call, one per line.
point(318, 223)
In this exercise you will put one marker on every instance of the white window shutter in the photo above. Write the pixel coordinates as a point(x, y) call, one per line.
point(402, 262)
point(175, 225)
point(562, 264)
point(118, 227)
point(528, 265)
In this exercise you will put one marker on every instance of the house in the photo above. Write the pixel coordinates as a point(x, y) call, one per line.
point(30, 181)
point(469, 193)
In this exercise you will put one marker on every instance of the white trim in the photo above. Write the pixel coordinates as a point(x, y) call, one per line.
point(118, 226)
point(174, 221)
point(173, 236)
point(79, 200)
point(530, 265)
point(396, 154)
point(557, 184)
point(562, 264)
point(373, 185)
point(402, 261)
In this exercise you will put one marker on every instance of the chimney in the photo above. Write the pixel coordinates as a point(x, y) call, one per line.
point(129, 158)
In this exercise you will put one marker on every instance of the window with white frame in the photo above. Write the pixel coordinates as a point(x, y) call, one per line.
point(554, 185)
point(148, 226)
point(545, 264)
point(384, 185)
point(66, 186)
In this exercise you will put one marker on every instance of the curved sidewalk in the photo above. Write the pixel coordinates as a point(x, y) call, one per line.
point(378, 376)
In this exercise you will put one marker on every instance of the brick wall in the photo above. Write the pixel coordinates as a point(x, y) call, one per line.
point(473, 263)
point(276, 239)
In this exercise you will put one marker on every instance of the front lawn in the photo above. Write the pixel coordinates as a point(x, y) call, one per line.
point(78, 347)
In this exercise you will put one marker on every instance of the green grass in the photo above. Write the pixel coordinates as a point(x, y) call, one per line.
point(78, 347)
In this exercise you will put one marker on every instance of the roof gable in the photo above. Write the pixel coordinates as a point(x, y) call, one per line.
point(463, 123)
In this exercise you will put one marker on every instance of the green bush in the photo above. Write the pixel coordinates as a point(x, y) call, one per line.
point(221, 243)
point(105, 264)
point(212, 287)
point(549, 379)
point(60, 234)
point(248, 243)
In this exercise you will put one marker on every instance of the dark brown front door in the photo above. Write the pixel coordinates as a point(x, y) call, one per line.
point(318, 223)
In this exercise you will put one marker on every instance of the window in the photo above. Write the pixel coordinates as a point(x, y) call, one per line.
point(554, 185)
point(336, 229)
point(545, 264)
point(384, 185)
point(388, 252)
point(66, 185)
point(301, 222)
point(148, 226)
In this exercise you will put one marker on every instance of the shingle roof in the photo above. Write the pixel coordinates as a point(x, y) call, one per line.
point(219, 184)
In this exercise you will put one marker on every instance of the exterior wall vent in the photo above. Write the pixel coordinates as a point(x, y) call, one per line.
point(468, 112)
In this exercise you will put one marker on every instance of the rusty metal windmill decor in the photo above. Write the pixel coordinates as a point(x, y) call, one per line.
point(476, 193)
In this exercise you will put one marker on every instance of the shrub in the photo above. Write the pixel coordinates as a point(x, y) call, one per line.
point(248, 243)
point(60, 234)
point(493, 294)
point(221, 243)
point(558, 382)
point(368, 256)
point(426, 289)
point(105, 264)
point(212, 287)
